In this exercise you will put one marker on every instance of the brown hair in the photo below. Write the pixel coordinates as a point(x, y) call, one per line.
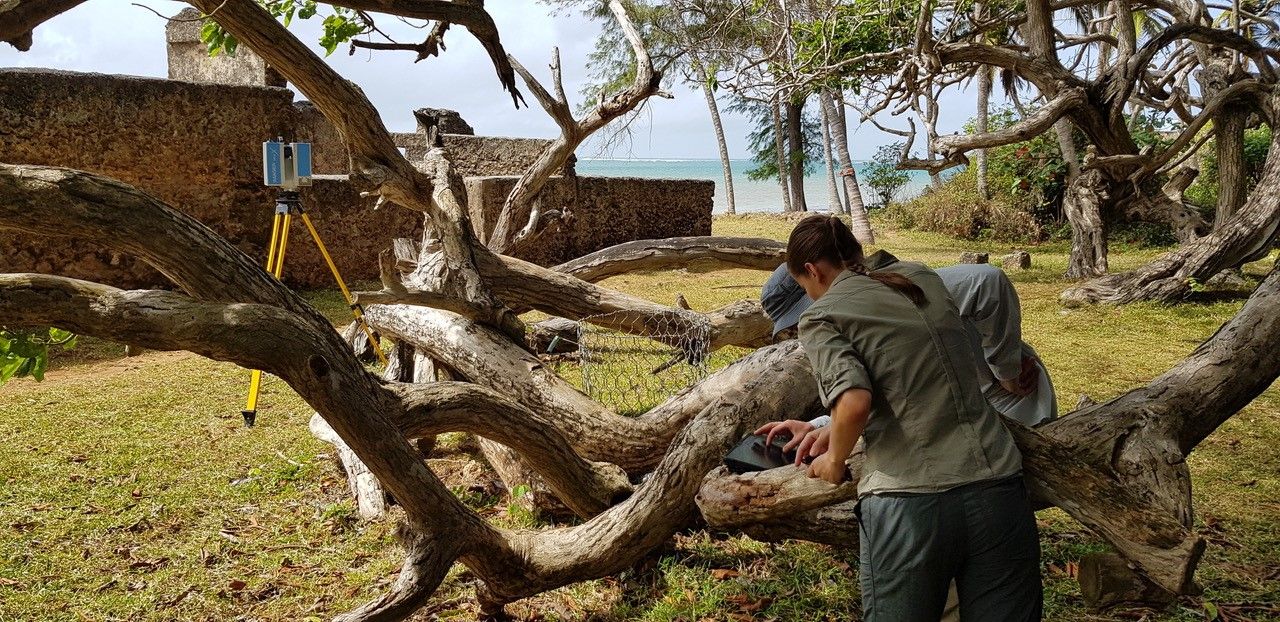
point(827, 237)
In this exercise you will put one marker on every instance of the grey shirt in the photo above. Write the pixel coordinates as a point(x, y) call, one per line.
point(986, 298)
point(988, 303)
point(930, 427)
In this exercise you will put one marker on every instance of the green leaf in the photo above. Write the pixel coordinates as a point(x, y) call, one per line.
point(24, 368)
point(8, 367)
point(1211, 610)
point(38, 367)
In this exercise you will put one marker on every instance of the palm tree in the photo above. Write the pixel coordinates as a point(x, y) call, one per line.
point(714, 106)
point(833, 104)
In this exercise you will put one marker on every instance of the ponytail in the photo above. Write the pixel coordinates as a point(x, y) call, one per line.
point(818, 238)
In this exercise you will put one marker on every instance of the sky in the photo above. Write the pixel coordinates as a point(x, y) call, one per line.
point(115, 36)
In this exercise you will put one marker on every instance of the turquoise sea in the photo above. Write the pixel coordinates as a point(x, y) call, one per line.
point(749, 196)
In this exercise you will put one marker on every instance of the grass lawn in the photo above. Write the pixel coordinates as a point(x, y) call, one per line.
point(131, 491)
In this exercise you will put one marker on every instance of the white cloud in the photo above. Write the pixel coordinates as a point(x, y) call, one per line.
point(113, 36)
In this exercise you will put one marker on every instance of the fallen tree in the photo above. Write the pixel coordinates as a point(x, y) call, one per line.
point(1118, 467)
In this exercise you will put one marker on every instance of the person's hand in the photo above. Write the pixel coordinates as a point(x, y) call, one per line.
point(1026, 381)
point(1029, 379)
point(814, 444)
point(828, 469)
point(794, 428)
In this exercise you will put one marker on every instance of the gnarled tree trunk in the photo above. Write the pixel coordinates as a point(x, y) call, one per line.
point(1119, 467)
point(1086, 196)
point(1251, 231)
point(1228, 137)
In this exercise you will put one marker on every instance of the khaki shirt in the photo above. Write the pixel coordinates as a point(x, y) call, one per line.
point(930, 428)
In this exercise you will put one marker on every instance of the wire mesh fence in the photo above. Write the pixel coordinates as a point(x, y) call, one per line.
point(633, 372)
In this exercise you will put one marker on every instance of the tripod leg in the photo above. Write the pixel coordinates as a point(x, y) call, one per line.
point(342, 285)
point(279, 233)
point(284, 243)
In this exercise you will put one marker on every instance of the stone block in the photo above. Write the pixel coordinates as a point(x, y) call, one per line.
point(972, 257)
point(1017, 260)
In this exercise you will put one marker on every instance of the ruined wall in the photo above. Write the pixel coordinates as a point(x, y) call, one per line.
point(198, 147)
point(484, 156)
point(189, 57)
point(477, 156)
point(606, 211)
point(328, 151)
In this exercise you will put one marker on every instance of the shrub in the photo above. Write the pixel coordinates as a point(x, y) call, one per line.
point(1204, 192)
point(956, 209)
point(1142, 235)
point(883, 176)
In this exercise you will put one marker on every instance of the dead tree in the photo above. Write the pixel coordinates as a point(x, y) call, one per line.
point(522, 203)
point(1118, 467)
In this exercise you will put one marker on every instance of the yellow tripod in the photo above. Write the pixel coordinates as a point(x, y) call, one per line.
point(287, 204)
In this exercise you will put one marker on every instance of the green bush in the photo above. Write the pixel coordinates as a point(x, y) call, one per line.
point(1141, 235)
point(1204, 192)
point(957, 210)
point(884, 177)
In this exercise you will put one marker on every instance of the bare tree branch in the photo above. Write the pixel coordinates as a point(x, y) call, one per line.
point(505, 238)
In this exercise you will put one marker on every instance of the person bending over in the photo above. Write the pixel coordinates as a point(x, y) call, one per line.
point(941, 496)
point(1012, 376)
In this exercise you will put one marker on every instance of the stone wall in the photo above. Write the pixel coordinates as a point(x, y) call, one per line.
point(198, 147)
point(189, 57)
point(606, 211)
point(477, 156)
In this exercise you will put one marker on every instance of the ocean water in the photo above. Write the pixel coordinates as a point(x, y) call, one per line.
point(749, 196)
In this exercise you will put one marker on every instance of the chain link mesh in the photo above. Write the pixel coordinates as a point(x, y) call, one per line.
point(632, 373)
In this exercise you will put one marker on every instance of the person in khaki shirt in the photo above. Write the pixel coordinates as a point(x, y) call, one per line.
point(941, 496)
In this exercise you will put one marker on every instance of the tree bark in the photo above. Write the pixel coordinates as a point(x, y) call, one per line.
point(780, 151)
point(695, 253)
point(371, 499)
point(1067, 147)
point(1084, 202)
point(1106, 580)
point(1167, 206)
point(832, 102)
point(834, 204)
point(19, 19)
point(596, 432)
point(796, 154)
point(1229, 145)
point(980, 124)
point(931, 124)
